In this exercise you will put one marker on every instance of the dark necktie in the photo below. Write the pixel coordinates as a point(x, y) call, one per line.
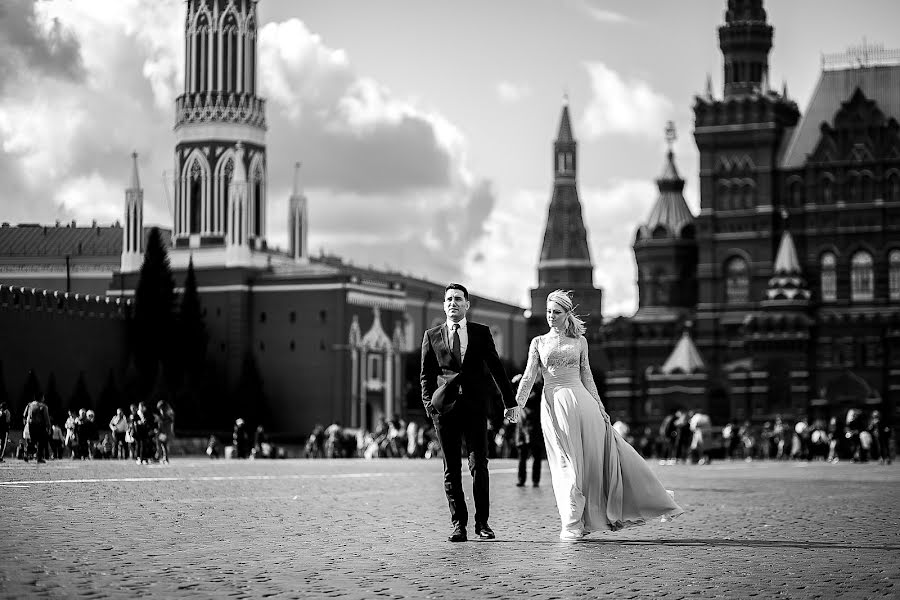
point(455, 347)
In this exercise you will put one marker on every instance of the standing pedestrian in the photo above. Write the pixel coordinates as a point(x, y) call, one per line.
point(529, 439)
point(165, 417)
point(118, 425)
point(5, 421)
point(37, 424)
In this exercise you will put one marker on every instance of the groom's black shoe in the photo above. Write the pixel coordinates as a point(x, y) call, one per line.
point(458, 535)
point(484, 532)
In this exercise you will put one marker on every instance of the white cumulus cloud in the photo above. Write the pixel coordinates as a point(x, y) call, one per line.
point(623, 106)
point(510, 92)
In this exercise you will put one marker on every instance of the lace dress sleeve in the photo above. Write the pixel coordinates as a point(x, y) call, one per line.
point(532, 368)
point(587, 378)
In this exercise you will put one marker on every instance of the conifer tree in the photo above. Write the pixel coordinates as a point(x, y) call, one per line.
point(31, 391)
point(109, 398)
point(53, 399)
point(81, 397)
point(153, 321)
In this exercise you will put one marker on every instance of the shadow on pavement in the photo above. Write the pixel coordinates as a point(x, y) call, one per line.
point(802, 544)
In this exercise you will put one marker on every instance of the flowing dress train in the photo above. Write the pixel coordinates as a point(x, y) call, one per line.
point(599, 480)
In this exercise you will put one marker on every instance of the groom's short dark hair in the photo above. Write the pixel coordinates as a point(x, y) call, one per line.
point(457, 286)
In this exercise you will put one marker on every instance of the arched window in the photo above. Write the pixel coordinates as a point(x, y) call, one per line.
point(229, 49)
point(868, 188)
point(195, 197)
point(894, 275)
point(893, 188)
point(201, 53)
point(862, 284)
point(853, 188)
point(829, 277)
point(749, 191)
point(258, 202)
point(737, 281)
point(723, 201)
point(827, 191)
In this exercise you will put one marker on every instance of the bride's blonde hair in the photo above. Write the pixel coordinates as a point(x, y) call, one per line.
point(574, 325)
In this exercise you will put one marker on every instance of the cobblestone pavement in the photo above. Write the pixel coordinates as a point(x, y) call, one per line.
point(377, 529)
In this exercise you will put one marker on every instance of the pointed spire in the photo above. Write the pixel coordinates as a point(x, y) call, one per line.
point(135, 180)
point(787, 282)
point(709, 90)
point(565, 126)
point(671, 211)
point(786, 261)
point(298, 188)
point(685, 358)
point(784, 90)
point(764, 84)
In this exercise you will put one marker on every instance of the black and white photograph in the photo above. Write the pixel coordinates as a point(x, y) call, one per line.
point(415, 299)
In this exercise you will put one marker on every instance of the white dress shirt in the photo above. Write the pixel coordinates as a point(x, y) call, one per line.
point(463, 337)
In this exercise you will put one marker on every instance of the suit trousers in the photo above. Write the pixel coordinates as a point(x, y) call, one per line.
point(452, 429)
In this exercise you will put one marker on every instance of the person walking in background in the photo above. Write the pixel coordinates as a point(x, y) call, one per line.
point(118, 425)
point(71, 441)
point(240, 438)
point(668, 434)
point(165, 418)
point(5, 421)
point(56, 441)
point(91, 433)
point(882, 434)
point(701, 429)
point(37, 424)
point(529, 439)
point(131, 432)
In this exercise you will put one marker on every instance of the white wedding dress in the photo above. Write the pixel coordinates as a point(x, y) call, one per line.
point(599, 480)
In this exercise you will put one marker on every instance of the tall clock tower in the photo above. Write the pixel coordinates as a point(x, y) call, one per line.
point(220, 126)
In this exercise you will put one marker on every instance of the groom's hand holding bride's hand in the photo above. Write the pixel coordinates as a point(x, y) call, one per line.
point(512, 414)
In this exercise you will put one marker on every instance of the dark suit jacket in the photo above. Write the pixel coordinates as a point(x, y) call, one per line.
point(481, 365)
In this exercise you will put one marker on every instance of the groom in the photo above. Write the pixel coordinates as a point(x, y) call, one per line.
point(459, 360)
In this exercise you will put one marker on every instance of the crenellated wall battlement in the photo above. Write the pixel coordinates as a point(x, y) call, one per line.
point(15, 298)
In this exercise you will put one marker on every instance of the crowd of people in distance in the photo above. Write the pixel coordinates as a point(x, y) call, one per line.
point(394, 438)
point(683, 437)
point(142, 435)
point(242, 446)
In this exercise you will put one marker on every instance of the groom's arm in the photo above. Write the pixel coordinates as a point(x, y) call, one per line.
point(495, 367)
point(428, 374)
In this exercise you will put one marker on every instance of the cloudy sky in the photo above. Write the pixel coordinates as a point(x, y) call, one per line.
point(425, 128)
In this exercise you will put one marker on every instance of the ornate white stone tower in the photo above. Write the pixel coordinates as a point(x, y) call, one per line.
point(298, 223)
point(220, 130)
point(133, 229)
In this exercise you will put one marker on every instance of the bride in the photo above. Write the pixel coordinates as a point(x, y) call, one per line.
point(599, 480)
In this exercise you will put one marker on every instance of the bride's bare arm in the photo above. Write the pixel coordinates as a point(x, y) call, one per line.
point(532, 368)
point(587, 378)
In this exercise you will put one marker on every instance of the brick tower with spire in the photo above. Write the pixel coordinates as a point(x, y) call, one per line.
point(738, 137)
point(565, 260)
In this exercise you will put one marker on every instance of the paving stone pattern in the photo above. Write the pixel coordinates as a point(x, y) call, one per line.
point(378, 529)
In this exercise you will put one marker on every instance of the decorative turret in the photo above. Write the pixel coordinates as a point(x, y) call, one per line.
point(685, 357)
point(565, 260)
point(745, 40)
point(297, 220)
point(219, 108)
point(783, 311)
point(787, 285)
point(133, 230)
point(664, 247)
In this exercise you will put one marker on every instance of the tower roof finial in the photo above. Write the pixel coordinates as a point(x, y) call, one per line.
point(297, 186)
point(135, 179)
point(671, 134)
